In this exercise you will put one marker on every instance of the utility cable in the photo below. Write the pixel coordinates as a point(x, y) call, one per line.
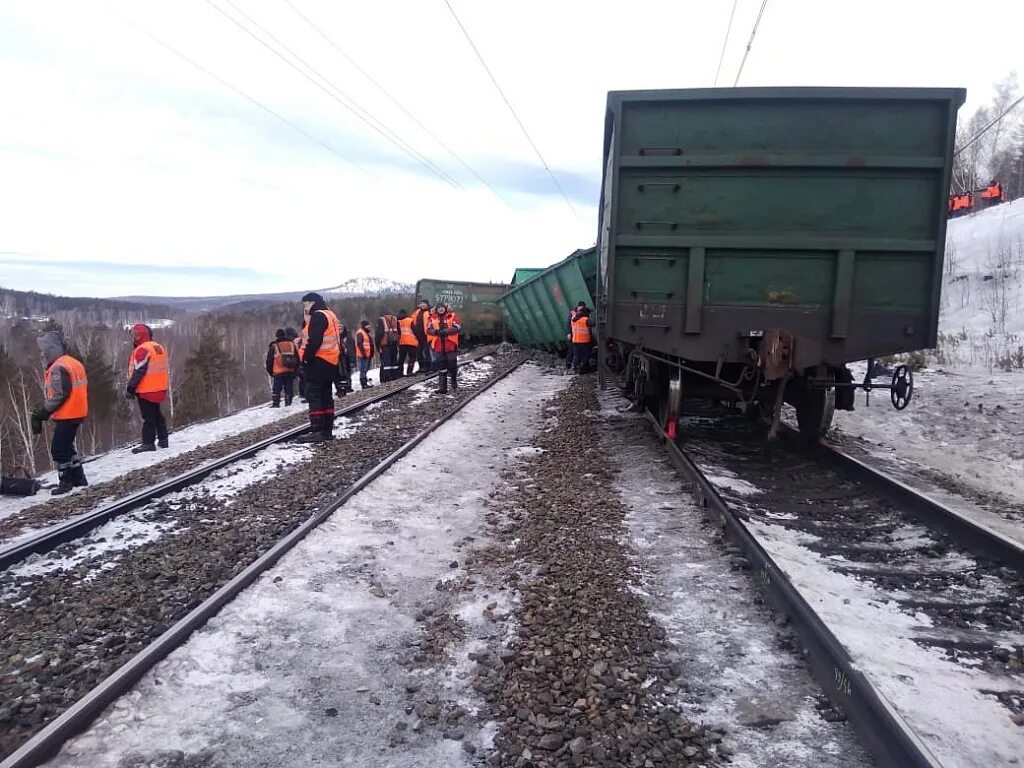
point(341, 97)
point(725, 42)
point(984, 130)
point(243, 94)
point(511, 109)
point(393, 99)
point(757, 23)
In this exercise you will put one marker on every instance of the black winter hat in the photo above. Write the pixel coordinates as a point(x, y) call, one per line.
point(279, 333)
point(311, 296)
point(290, 332)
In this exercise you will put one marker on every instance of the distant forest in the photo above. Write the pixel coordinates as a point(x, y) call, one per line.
point(217, 361)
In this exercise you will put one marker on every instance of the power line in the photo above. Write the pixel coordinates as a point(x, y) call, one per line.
point(243, 94)
point(394, 100)
point(345, 101)
point(984, 130)
point(750, 42)
point(725, 42)
point(510, 109)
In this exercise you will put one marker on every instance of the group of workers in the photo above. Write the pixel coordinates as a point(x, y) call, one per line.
point(66, 399)
point(325, 355)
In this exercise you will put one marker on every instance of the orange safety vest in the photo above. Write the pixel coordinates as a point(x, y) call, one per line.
point(390, 324)
point(992, 192)
point(407, 338)
point(279, 353)
point(76, 406)
point(581, 331)
point(363, 346)
point(330, 347)
point(157, 376)
point(449, 343)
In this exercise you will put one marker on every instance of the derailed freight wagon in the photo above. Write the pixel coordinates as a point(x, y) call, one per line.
point(475, 303)
point(752, 241)
point(537, 306)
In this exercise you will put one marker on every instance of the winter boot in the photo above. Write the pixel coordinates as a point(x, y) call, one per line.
point(442, 382)
point(287, 402)
point(275, 404)
point(455, 379)
point(162, 443)
point(144, 448)
point(78, 474)
point(315, 434)
point(327, 427)
point(65, 477)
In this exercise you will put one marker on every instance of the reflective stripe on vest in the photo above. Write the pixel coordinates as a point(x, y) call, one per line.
point(390, 325)
point(76, 406)
point(156, 378)
point(279, 366)
point(449, 343)
point(407, 337)
point(363, 346)
point(581, 331)
point(330, 347)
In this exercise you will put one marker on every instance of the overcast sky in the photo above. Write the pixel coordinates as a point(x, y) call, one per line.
point(124, 169)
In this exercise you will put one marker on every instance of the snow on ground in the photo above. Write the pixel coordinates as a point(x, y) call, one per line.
point(940, 698)
point(738, 675)
point(962, 436)
point(288, 673)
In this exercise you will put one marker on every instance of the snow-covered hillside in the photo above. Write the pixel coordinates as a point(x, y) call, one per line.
point(369, 286)
point(981, 323)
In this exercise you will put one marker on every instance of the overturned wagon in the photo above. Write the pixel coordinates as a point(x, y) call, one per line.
point(537, 306)
point(475, 303)
point(753, 241)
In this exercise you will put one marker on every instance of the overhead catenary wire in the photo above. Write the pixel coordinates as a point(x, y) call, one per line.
point(725, 42)
point(511, 109)
point(330, 41)
point(750, 42)
point(337, 95)
point(984, 130)
point(256, 102)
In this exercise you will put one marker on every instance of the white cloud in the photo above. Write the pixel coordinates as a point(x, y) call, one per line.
point(114, 150)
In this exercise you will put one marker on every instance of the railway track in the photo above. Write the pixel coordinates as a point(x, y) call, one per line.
point(53, 536)
point(911, 614)
point(55, 616)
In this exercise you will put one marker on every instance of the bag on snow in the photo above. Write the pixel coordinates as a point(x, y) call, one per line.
point(19, 486)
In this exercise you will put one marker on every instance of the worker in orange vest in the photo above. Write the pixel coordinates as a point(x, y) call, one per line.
point(364, 352)
point(420, 316)
point(66, 403)
point(408, 344)
point(582, 338)
point(321, 355)
point(282, 363)
point(388, 333)
point(443, 331)
point(148, 382)
point(571, 351)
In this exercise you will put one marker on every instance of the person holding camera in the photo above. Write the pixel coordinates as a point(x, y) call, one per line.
point(443, 331)
point(66, 403)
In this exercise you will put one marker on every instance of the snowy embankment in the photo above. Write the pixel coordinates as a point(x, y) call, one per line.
point(982, 322)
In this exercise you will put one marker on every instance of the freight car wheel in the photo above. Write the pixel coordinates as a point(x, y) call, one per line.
point(814, 410)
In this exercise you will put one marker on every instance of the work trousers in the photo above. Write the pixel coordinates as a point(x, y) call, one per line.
point(407, 352)
point(283, 382)
point(447, 366)
point(364, 368)
point(62, 446)
point(425, 360)
point(321, 405)
point(388, 363)
point(153, 425)
point(581, 356)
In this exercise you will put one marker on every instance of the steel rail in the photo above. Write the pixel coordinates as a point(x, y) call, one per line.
point(69, 530)
point(883, 731)
point(970, 534)
point(77, 718)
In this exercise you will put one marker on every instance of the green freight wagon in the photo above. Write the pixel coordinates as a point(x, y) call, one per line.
point(752, 241)
point(475, 303)
point(536, 308)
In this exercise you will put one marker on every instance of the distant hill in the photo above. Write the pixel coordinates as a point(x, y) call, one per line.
point(30, 305)
point(357, 286)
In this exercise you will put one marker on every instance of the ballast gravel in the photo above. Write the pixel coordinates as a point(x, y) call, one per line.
point(68, 630)
point(585, 679)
